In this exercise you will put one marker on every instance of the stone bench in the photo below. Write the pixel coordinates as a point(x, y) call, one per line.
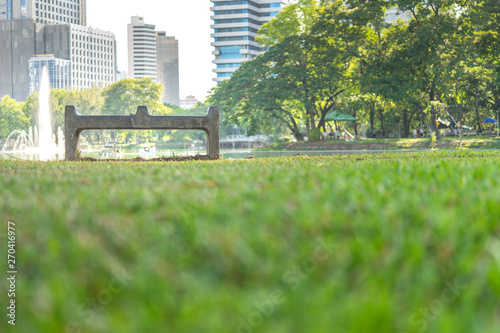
point(142, 120)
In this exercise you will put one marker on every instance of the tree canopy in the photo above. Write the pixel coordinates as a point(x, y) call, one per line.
point(12, 116)
point(440, 56)
point(123, 97)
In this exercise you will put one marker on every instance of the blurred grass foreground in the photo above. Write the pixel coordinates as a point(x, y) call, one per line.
point(347, 243)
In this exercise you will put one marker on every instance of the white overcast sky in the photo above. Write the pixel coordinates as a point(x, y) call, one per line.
point(187, 20)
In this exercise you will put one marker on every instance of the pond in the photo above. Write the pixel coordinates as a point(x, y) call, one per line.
point(225, 153)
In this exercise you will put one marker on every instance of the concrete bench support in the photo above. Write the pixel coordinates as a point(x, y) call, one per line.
point(142, 120)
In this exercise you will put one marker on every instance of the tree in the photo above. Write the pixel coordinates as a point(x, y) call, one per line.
point(30, 108)
point(298, 80)
point(89, 101)
point(12, 116)
point(481, 84)
point(200, 109)
point(294, 20)
point(123, 97)
point(255, 98)
point(432, 48)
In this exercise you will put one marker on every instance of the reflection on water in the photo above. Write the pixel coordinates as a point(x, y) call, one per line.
point(119, 153)
point(133, 153)
point(128, 154)
point(31, 155)
point(225, 153)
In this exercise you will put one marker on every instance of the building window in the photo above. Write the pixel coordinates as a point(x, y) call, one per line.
point(272, 14)
point(220, 30)
point(231, 3)
point(230, 52)
point(229, 39)
point(224, 74)
point(236, 11)
point(230, 65)
point(240, 20)
point(271, 5)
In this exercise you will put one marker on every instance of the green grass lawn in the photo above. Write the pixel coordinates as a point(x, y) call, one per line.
point(367, 243)
point(475, 142)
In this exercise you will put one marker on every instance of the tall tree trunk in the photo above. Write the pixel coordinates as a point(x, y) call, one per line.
point(295, 130)
point(478, 121)
point(308, 122)
point(381, 118)
point(372, 116)
point(432, 124)
point(298, 136)
point(406, 123)
point(355, 123)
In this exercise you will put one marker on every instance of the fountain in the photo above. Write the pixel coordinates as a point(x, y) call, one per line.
point(40, 142)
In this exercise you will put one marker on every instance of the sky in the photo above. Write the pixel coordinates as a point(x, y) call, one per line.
point(187, 20)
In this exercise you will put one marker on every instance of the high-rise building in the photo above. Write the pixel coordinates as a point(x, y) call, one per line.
point(57, 28)
point(167, 53)
point(45, 11)
point(15, 9)
point(141, 49)
point(20, 40)
point(235, 25)
point(155, 55)
point(92, 52)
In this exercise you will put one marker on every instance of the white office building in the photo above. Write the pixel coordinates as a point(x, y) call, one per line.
point(142, 60)
point(236, 24)
point(93, 56)
point(53, 28)
point(45, 11)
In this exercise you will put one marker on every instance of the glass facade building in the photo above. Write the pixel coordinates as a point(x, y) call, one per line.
point(13, 9)
point(235, 26)
point(52, 27)
point(59, 72)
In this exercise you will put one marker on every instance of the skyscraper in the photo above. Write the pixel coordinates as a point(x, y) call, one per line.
point(92, 53)
point(14, 9)
point(155, 55)
point(167, 53)
point(20, 40)
point(236, 24)
point(141, 49)
point(53, 28)
point(45, 11)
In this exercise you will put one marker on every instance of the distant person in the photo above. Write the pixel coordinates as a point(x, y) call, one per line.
point(414, 133)
point(421, 133)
